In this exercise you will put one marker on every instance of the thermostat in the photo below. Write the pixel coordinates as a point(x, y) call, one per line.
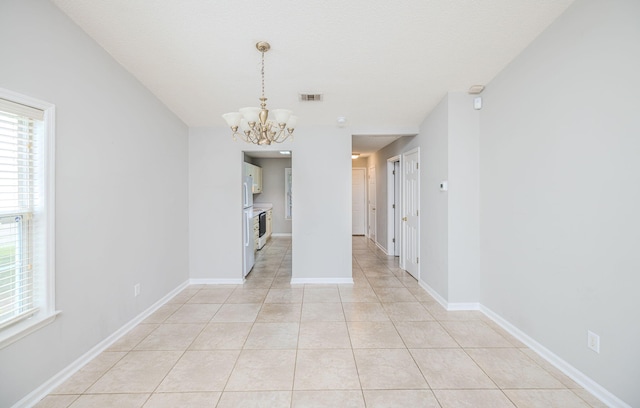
point(477, 103)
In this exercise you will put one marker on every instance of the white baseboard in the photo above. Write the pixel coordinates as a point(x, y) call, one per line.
point(576, 375)
point(281, 234)
point(433, 293)
point(380, 247)
point(452, 307)
point(585, 382)
point(216, 281)
point(463, 306)
point(54, 382)
point(322, 281)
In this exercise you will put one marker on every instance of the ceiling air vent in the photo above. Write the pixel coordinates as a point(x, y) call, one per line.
point(307, 97)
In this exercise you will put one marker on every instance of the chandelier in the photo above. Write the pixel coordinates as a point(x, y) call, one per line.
point(254, 123)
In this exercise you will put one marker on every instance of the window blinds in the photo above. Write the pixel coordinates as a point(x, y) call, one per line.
point(18, 196)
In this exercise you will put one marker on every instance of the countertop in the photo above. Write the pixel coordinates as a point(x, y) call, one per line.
point(259, 208)
point(263, 206)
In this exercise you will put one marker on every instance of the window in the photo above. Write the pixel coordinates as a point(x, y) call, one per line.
point(26, 215)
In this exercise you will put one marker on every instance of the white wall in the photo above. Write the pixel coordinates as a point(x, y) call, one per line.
point(121, 196)
point(322, 204)
point(273, 191)
point(463, 200)
point(215, 205)
point(321, 225)
point(560, 182)
point(434, 211)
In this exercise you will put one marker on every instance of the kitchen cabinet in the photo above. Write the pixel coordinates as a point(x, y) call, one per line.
point(256, 231)
point(269, 224)
point(257, 181)
point(255, 172)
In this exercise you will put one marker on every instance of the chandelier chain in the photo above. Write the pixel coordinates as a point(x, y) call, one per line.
point(262, 71)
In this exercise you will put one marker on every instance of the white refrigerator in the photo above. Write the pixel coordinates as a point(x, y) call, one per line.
point(248, 242)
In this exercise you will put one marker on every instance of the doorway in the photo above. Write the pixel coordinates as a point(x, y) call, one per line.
point(358, 200)
point(267, 232)
point(372, 203)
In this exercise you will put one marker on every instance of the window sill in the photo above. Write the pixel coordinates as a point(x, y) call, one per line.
point(14, 333)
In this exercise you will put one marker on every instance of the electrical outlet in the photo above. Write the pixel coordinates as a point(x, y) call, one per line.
point(593, 341)
point(136, 289)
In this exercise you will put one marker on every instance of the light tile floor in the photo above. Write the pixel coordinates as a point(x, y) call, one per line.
point(382, 342)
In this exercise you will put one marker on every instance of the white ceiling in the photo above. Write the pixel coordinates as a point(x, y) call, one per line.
point(364, 145)
point(382, 64)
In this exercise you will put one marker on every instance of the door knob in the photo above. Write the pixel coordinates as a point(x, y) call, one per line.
point(404, 218)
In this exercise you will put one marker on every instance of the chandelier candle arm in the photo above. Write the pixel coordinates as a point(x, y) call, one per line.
point(244, 125)
point(254, 122)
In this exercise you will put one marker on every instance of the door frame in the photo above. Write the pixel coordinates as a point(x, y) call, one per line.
point(393, 214)
point(364, 201)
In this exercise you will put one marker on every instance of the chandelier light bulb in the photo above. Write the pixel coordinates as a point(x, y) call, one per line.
point(250, 114)
point(233, 119)
point(281, 115)
point(292, 122)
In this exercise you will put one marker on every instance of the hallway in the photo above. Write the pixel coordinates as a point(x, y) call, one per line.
point(382, 342)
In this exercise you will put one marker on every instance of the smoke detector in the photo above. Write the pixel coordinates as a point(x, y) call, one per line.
point(476, 89)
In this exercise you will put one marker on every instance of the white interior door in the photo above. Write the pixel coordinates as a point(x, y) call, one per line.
point(393, 209)
point(358, 201)
point(372, 203)
point(411, 212)
point(397, 213)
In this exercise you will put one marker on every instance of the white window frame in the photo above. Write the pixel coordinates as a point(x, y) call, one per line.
point(47, 311)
